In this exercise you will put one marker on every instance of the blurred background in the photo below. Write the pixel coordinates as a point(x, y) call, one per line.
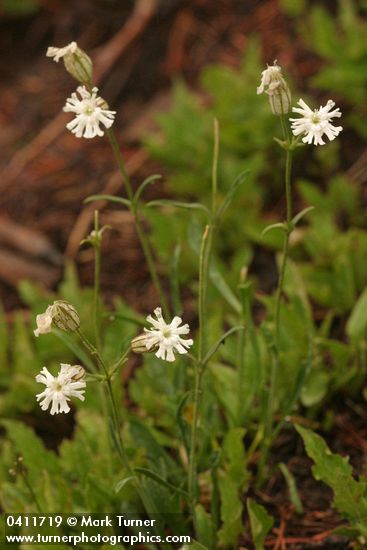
point(168, 67)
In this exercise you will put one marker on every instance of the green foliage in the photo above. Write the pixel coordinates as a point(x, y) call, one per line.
point(350, 495)
point(261, 523)
point(20, 7)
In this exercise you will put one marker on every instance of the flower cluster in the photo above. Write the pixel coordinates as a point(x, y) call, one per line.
point(313, 124)
point(59, 389)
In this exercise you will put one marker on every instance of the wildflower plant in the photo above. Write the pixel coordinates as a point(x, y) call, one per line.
point(211, 404)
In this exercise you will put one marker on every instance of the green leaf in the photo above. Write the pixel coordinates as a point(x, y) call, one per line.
point(142, 186)
point(156, 477)
point(121, 484)
point(220, 341)
point(220, 283)
point(109, 198)
point(231, 193)
point(204, 528)
point(357, 322)
point(231, 512)
point(179, 204)
point(315, 388)
point(261, 523)
point(279, 225)
point(349, 494)
point(292, 488)
point(298, 217)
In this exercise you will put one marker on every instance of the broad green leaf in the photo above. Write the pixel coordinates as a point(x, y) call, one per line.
point(261, 523)
point(204, 528)
point(357, 322)
point(350, 495)
point(315, 388)
point(231, 512)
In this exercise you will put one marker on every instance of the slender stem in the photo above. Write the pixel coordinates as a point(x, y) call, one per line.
point(288, 194)
point(97, 281)
point(30, 489)
point(192, 456)
point(215, 165)
point(204, 266)
point(139, 228)
point(268, 435)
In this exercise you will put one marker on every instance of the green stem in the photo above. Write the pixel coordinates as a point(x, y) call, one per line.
point(97, 282)
point(204, 266)
point(144, 497)
point(30, 489)
point(268, 435)
point(139, 228)
point(288, 194)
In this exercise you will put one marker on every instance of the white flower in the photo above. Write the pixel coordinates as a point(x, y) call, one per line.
point(166, 337)
point(59, 389)
point(58, 53)
point(44, 322)
point(314, 124)
point(90, 112)
point(274, 84)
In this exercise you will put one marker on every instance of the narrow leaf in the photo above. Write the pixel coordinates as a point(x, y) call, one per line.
point(231, 192)
point(156, 477)
point(179, 204)
point(279, 225)
point(292, 488)
point(214, 348)
point(298, 217)
point(120, 484)
point(146, 182)
point(109, 198)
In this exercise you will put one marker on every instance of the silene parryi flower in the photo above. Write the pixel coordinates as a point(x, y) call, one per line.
point(275, 86)
point(315, 123)
point(76, 61)
point(59, 389)
point(60, 314)
point(91, 111)
point(164, 339)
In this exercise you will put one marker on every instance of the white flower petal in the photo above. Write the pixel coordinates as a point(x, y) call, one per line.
point(60, 388)
point(314, 124)
point(167, 337)
point(90, 113)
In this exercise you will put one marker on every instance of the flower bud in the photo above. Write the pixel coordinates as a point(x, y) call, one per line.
point(76, 61)
point(79, 65)
point(77, 373)
point(138, 344)
point(65, 316)
point(274, 84)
